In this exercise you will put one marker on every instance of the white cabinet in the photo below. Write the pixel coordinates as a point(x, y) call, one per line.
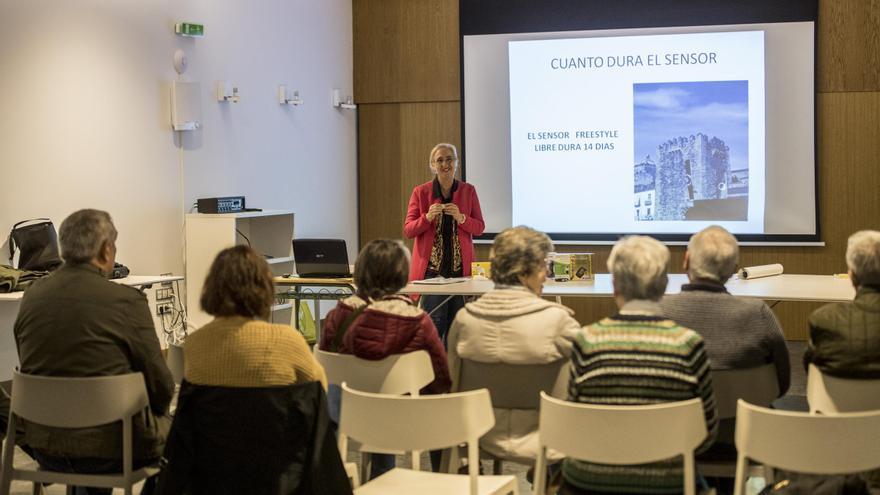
point(269, 232)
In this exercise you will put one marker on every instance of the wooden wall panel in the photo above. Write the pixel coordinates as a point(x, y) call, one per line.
point(407, 57)
point(394, 142)
point(406, 51)
point(849, 45)
point(379, 198)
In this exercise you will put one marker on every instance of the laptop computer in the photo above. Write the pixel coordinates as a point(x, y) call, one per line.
point(321, 258)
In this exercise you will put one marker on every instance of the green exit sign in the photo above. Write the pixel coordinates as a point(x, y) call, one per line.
point(189, 29)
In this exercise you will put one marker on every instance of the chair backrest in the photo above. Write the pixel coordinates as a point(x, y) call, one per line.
point(415, 423)
point(829, 394)
point(756, 385)
point(217, 431)
point(622, 434)
point(513, 386)
point(67, 402)
point(808, 443)
point(396, 374)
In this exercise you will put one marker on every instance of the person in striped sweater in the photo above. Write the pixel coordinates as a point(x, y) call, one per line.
point(637, 357)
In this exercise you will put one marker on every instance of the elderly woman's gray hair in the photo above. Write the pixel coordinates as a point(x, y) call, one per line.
point(518, 252)
point(638, 268)
point(863, 256)
point(83, 234)
point(712, 254)
point(439, 146)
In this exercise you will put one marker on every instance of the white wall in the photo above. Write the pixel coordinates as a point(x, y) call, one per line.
point(85, 116)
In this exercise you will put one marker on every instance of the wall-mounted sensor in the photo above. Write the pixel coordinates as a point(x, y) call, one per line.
point(180, 61)
point(226, 91)
point(286, 98)
point(346, 103)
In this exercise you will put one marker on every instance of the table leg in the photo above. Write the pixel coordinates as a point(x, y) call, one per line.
point(441, 304)
point(317, 321)
point(296, 307)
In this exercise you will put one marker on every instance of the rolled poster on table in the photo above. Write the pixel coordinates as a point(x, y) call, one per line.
point(759, 271)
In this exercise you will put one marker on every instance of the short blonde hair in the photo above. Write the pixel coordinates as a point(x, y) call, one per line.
point(638, 267)
point(518, 251)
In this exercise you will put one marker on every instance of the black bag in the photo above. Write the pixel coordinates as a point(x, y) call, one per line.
point(37, 244)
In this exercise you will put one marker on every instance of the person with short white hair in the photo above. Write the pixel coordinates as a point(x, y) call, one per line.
point(845, 336)
point(738, 332)
point(636, 357)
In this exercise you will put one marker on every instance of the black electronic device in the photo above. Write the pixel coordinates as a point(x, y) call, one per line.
point(229, 204)
point(321, 258)
point(119, 271)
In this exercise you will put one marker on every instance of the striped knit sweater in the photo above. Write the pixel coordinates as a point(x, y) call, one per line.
point(637, 357)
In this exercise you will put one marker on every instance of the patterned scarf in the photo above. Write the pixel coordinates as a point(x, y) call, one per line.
point(436, 259)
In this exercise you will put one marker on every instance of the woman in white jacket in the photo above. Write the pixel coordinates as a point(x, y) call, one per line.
point(513, 325)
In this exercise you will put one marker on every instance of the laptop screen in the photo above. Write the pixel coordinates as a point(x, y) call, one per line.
point(321, 258)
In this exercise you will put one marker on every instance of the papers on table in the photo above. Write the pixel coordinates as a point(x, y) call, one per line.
point(441, 280)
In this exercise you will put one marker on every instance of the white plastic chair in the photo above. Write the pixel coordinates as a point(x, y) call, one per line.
point(757, 385)
point(828, 394)
point(397, 374)
point(420, 423)
point(76, 403)
point(621, 434)
point(807, 443)
point(514, 386)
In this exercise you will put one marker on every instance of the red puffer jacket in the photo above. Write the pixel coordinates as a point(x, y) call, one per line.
point(388, 326)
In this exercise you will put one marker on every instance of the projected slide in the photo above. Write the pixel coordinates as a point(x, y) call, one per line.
point(655, 133)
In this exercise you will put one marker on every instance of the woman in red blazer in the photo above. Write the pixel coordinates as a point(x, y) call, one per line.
point(443, 216)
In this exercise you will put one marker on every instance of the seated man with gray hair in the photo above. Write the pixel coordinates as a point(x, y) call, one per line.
point(845, 336)
point(76, 323)
point(738, 332)
point(637, 357)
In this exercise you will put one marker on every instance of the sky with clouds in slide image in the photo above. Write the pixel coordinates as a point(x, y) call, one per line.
point(663, 111)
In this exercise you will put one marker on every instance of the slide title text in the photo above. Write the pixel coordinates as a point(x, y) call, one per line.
point(649, 60)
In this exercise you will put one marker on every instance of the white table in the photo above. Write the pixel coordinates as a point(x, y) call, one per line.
point(9, 304)
point(820, 288)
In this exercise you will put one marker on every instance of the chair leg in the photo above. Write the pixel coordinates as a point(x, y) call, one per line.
point(690, 478)
point(366, 466)
point(496, 466)
point(739, 483)
point(540, 477)
point(38, 488)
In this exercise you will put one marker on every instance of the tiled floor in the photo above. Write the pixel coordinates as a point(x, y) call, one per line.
point(793, 400)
